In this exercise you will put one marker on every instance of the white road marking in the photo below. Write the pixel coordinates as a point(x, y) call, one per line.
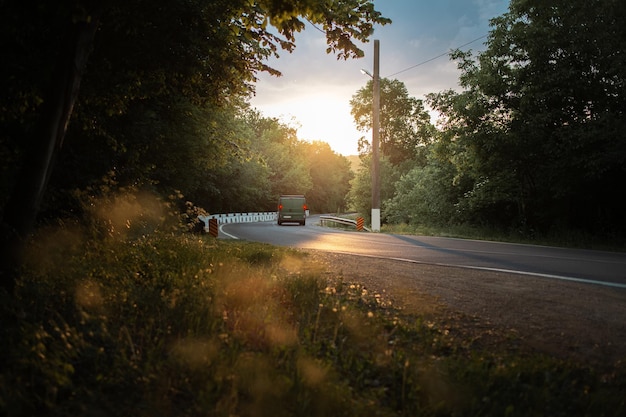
point(227, 234)
point(509, 271)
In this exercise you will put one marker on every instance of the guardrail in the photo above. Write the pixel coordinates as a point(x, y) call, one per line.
point(340, 220)
point(240, 218)
point(267, 217)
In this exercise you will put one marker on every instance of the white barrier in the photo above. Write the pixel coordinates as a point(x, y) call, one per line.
point(239, 218)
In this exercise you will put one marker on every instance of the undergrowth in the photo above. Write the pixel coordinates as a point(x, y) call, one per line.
point(183, 325)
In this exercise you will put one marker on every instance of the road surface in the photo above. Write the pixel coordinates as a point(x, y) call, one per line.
point(565, 302)
point(592, 267)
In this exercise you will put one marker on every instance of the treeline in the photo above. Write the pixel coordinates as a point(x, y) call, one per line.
point(535, 142)
point(221, 160)
point(162, 105)
point(100, 98)
point(154, 95)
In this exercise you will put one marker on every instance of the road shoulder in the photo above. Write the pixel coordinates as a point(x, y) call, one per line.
point(574, 321)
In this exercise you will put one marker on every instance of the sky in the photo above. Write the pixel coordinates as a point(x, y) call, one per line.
point(314, 92)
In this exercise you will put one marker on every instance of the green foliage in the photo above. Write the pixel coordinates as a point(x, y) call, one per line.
point(360, 196)
point(330, 176)
point(148, 144)
point(404, 123)
point(424, 195)
point(278, 146)
point(222, 159)
point(533, 145)
point(283, 164)
point(166, 324)
point(537, 132)
point(289, 171)
point(242, 185)
point(161, 96)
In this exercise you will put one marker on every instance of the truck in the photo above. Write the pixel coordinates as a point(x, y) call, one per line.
point(292, 209)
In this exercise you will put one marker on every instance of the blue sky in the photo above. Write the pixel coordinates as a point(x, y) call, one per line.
point(314, 92)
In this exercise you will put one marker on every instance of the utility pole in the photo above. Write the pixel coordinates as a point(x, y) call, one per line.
point(375, 140)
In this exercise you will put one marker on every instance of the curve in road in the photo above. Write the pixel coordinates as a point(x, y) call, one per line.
point(584, 266)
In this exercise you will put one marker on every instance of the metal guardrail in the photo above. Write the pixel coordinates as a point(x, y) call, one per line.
point(267, 216)
point(341, 220)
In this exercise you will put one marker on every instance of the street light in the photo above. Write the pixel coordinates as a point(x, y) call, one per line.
point(375, 138)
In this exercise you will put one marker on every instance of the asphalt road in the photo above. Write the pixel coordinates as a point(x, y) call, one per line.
point(593, 267)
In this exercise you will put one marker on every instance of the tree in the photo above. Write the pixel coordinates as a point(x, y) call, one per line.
point(204, 51)
point(490, 167)
point(360, 196)
point(278, 146)
point(48, 131)
point(148, 147)
point(426, 195)
point(539, 127)
point(404, 123)
point(242, 185)
point(330, 177)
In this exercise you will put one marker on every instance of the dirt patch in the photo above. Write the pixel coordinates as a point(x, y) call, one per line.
point(581, 322)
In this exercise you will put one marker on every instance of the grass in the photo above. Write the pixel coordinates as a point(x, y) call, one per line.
point(562, 239)
point(181, 325)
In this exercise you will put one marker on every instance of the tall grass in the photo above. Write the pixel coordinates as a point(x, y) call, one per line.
point(181, 325)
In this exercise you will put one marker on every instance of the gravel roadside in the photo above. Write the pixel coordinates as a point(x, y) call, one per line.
point(581, 322)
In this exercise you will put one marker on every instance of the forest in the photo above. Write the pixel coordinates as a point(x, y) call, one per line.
point(152, 97)
point(533, 143)
point(121, 121)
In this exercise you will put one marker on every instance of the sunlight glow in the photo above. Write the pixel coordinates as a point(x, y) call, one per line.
point(319, 117)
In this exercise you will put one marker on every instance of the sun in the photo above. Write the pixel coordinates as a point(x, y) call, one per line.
point(322, 117)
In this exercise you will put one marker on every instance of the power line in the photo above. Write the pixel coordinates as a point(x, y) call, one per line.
point(316, 27)
point(436, 57)
point(421, 63)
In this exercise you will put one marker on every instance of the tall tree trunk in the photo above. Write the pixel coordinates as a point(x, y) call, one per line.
point(21, 209)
